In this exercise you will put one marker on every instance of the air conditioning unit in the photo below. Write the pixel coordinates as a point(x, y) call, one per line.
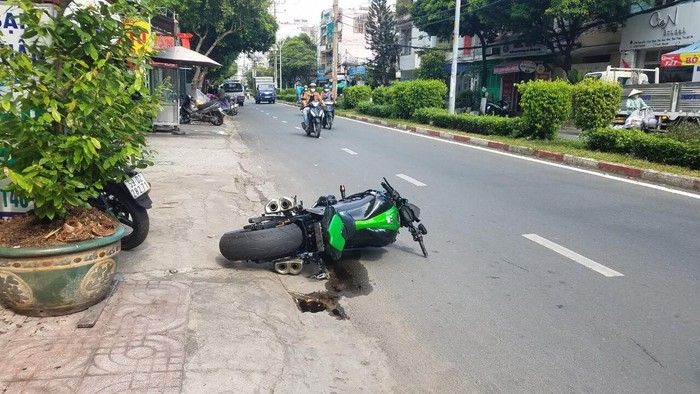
point(493, 51)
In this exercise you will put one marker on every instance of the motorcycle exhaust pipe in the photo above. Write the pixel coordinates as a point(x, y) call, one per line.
point(272, 206)
point(286, 203)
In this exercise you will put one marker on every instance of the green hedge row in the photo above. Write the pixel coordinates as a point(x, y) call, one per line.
point(286, 92)
point(595, 103)
point(372, 109)
point(404, 97)
point(650, 147)
point(546, 105)
point(287, 97)
point(487, 125)
point(354, 95)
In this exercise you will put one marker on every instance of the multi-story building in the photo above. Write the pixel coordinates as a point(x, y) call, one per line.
point(352, 46)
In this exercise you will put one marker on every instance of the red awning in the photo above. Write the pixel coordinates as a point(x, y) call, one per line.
point(506, 68)
point(687, 56)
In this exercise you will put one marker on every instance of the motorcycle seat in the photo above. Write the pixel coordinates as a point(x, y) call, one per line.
point(206, 105)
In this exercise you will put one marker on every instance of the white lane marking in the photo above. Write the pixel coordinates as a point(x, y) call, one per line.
point(284, 121)
point(586, 262)
point(267, 113)
point(411, 180)
point(274, 117)
point(581, 170)
point(349, 151)
point(297, 127)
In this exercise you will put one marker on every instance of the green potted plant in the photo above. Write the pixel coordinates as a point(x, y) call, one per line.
point(76, 109)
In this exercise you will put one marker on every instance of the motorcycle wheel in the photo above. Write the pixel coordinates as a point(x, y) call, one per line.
point(329, 121)
point(218, 119)
point(130, 214)
point(261, 245)
point(317, 129)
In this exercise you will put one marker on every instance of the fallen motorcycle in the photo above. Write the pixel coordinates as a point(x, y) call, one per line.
point(289, 235)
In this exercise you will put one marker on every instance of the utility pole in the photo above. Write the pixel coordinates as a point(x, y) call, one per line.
point(455, 51)
point(335, 49)
point(278, 78)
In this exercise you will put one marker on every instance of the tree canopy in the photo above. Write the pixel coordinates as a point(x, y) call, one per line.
point(436, 17)
point(224, 28)
point(380, 33)
point(298, 58)
point(432, 65)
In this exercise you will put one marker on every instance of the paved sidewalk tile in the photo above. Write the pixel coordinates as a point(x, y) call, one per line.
point(137, 345)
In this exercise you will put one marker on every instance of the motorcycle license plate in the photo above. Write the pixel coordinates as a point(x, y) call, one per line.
point(137, 185)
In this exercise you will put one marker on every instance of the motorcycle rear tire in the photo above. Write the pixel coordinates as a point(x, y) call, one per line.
point(261, 245)
point(329, 121)
point(218, 119)
point(130, 214)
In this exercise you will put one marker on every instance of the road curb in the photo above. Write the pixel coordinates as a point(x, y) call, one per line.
point(664, 178)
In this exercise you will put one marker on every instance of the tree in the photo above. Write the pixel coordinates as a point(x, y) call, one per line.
point(436, 17)
point(432, 65)
point(380, 33)
point(557, 24)
point(222, 27)
point(298, 58)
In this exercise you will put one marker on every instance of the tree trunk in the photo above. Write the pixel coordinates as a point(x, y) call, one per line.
point(484, 68)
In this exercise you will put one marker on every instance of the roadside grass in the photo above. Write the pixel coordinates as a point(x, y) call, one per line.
point(559, 145)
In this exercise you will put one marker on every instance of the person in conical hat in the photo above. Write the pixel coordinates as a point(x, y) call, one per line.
point(634, 101)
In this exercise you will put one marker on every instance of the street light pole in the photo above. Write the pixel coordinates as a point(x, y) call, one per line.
point(455, 51)
point(335, 49)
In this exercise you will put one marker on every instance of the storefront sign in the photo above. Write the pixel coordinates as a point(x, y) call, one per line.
point(506, 68)
point(528, 66)
point(12, 30)
point(521, 49)
point(680, 59)
point(672, 26)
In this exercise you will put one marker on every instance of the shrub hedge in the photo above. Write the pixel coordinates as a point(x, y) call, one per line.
point(408, 96)
point(650, 147)
point(372, 109)
point(487, 125)
point(287, 97)
point(353, 95)
point(546, 105)
point(595, 103)
point(382, 95)
point(286, 92)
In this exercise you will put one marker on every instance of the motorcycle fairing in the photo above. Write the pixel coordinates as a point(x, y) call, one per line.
point(387, 220)
point(335, 232)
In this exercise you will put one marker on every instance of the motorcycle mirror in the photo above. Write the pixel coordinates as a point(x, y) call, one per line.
point(342, 192)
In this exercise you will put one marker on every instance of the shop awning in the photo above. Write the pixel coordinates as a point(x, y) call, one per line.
point(509, 68)
point(182, 55)
point(687, 56)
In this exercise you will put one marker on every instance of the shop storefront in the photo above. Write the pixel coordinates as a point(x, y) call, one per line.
point(646, 37)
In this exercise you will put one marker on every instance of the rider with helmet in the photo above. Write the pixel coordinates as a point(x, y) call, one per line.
point(307, 97)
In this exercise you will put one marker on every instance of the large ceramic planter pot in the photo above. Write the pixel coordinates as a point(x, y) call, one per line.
point(58, 280)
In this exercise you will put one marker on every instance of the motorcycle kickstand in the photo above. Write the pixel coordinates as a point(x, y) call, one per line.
point(322, 273)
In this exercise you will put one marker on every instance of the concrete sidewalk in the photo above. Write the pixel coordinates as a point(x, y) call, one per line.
point(183, 319)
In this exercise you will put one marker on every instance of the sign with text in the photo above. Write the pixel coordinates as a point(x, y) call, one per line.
point(672, 26)
point(12, 30)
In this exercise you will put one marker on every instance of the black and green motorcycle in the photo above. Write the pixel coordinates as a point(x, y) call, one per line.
point(290, 235)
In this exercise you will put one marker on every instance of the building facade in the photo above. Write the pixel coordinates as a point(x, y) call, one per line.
point(352, 46)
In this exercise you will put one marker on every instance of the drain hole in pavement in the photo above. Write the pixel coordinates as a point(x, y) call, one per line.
point(319, 302)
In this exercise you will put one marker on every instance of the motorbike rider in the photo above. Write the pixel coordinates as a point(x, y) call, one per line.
point(327, 95)
point(309, 96)
point(634, 102)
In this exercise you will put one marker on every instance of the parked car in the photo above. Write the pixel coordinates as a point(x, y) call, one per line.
point(234, 90)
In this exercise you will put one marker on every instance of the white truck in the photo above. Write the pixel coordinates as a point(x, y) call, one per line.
point(670, 101)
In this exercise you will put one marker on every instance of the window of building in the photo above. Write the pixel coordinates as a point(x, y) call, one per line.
point(359, 25)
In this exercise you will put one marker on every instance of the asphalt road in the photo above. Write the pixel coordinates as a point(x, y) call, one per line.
point(510, 298)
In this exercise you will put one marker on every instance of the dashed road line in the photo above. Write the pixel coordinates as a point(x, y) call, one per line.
point(297, 127)
point(350, 151)
point(585, 261)
point(284, 121)
point(411, 180)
